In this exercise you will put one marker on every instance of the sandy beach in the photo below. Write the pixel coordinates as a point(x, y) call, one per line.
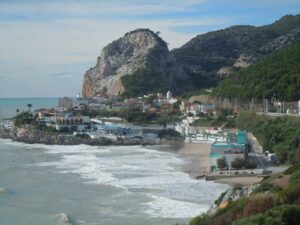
point(199, 154)
point(200, 165)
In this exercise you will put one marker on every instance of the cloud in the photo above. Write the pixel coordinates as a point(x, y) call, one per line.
point(42, 41)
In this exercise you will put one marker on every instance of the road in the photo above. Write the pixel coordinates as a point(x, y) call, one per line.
point(262, 162)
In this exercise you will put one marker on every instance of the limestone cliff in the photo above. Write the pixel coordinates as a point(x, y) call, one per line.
point(141, 54)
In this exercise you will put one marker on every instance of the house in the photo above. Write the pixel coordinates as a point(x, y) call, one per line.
point(97, 106)
point(236, 146)
point(74, 123)
point(65, 103)
point(127, 105)
point(166, 109)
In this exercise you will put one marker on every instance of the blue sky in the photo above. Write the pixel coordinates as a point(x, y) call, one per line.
point(46, 46)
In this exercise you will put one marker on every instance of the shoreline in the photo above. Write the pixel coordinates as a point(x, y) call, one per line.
point(199, 166)
point(33, 136)
point(197, 153)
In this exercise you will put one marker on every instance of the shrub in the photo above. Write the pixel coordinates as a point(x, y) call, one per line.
point(259, 203)
point(291, 194)
point(262, 187)
point(295, 177)
point(203, 219)
point(291, 169)
point(279, 215)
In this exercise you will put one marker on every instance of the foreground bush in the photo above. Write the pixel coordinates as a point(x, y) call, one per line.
point(280, 215)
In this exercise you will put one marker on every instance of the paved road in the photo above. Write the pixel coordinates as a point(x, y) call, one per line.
point(256, 153)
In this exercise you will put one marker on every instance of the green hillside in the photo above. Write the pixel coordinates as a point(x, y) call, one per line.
point(275, 200)
point(277, 74)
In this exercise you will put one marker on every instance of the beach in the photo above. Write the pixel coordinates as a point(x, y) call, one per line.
point(199, 155)
point(200, 165)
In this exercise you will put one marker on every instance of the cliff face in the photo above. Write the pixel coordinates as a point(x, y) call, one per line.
point(136, 53)
point(140, 62)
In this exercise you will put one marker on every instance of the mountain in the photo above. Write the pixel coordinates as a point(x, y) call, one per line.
point(141, 63)
point(278, 74)
point(136, 64)
point(219, 53)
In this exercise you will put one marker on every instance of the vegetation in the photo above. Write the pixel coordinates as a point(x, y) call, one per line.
point(278, 74)
point(143, 81)
point(24, 118)
point(280, 134)
point(221, 163)
point(238, 163)
point(208, 121)
point(273, 202)
point(280, 215)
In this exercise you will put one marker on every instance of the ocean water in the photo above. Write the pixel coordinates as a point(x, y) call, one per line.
point(111, 185)
point(8, 106)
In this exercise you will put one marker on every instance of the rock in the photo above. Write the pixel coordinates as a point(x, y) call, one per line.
point(225, 71)
point(244, 61)
point(63, 218)
point(139, 52)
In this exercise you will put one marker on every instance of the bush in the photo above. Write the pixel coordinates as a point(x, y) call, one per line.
point(262, 187)
point(295, 177)
point(204, 219)
point(279, 215)
point(291, 169)
point(291, 194)
point(258, 203)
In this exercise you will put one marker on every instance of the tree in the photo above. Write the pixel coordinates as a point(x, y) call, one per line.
point(221, 163)
point(29, 107)
point(238, 163)
point(251, 165)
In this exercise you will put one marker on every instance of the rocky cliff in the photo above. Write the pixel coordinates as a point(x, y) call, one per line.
point(140, 62)
point(137, 63)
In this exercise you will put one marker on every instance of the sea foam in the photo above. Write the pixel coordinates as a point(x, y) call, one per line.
point(135, 170)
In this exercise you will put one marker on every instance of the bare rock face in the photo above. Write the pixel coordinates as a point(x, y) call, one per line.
point(139, 50)
point(244, 61)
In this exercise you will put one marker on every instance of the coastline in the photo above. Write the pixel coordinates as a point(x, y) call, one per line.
point(33, 136)
point(200, 165)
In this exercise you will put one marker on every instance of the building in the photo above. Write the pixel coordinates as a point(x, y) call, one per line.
point(74, 123)
point(127, 105)
point(65, 103)
point(169, 95)
point(97, 106)
point(235, 147)
point(166, 109)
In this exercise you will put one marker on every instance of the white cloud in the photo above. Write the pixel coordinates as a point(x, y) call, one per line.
point(72, 33)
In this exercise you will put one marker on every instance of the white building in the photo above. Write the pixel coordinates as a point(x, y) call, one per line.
point(169, 95)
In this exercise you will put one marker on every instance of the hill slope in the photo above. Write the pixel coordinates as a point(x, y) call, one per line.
point(278, 74)
point(135, 64)
point(219, 53)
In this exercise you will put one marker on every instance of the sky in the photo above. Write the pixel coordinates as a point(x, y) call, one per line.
point(46, 46)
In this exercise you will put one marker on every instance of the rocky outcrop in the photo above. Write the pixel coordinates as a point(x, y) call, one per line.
point(138, 52)
point(34, 136)
point(140, 62)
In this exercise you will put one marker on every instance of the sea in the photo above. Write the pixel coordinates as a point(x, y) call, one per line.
point(9, 106)
point(98, 185)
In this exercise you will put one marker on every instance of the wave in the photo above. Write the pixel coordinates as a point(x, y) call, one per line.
point(169, 192)
point(170, 208)
point(62, 218)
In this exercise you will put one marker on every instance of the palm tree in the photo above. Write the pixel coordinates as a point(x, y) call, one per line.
point(29, 106)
